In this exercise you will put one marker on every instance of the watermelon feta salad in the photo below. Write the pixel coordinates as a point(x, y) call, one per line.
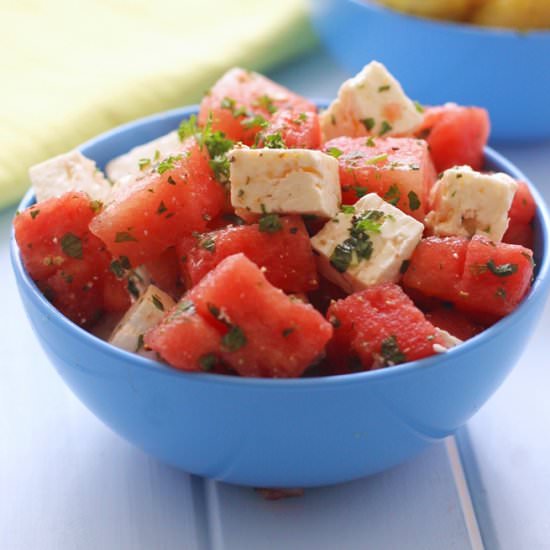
point(265, 238)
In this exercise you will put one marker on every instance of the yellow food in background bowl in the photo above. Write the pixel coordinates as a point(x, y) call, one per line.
point(514, 14)
point(437, 9)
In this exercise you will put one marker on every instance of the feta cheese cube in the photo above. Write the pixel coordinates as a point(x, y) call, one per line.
point(71, 171)
point(142, 157)
point(144, 314)
point(467, 203)
point(448, 341)
point(288, 181)
point(371, 103)
point(366, 244)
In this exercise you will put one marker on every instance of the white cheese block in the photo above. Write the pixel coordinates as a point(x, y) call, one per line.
point(71, 171)
point(144, 314)
point(287, 181)
point(146, 155)
point(448, 340)
point(394, 236)
point(467, 203)
point(371, 103)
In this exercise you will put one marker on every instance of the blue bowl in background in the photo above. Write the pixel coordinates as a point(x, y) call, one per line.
point(280, 433)
point(505, 71)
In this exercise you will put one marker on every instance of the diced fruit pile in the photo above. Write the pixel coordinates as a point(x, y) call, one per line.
point(266, 239)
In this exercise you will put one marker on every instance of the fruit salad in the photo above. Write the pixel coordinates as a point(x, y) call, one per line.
point(266, 237)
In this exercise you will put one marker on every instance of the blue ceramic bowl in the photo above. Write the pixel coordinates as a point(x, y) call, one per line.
point(505, 71)
point(280, 433)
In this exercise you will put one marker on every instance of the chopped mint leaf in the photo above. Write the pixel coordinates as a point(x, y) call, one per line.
point(72, 245)
point(414, 201)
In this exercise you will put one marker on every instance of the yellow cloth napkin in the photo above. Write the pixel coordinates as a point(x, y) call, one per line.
point(70, 69)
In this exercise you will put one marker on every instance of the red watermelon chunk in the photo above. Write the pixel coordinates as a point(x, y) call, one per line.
point(477, 275)
point(397, 169)
point(522, 213)
point(519, 233)
point(116, 298)
point(185, 340)
point(436, 267)
point(496, 277)
point(264, 333)
point(377, 327)
point(242, 103)
point(179, 196)
point(164, 272)
point(282, 250)
point(456, 135)
point(69, 264)
point(292, 129)
point(454, 322)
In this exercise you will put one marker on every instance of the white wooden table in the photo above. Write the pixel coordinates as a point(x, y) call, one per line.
point(68, 483)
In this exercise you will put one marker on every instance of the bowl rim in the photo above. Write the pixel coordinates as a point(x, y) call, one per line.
point(538, 291)
point(458, 26)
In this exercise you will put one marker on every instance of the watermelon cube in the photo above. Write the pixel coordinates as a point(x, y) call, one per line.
point(178, 196)
point(456, 135)
point(399, 170)
point(185, 340)
point(263, 332)
point(292, 129)
point(377, 327)
point(478, 276)
point(278, 245)
point(69, 264)
point(496, 277)
point(242, 103)
point(436, 267)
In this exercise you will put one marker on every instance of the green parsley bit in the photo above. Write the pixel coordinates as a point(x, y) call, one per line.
point(414, 201)
point(393, 194)
point(288, 331)
point(157, 302)
point(162, 208)
point(208, 243)
point(72, 245)
point(347, 209)
point(342, 255)
point(255, 121)
point(384, 88)
point(169, 163)
point(266, 102)
point(270, 223)
point(385, 127)
point(378, 158)
point(370, 142)
point(120, 266)
point(188, 128)
point(208, 361)
point(34, 213)
point(274, 141)
point(404, 266)
point(418, 107)
point(234, 339)
point(334, 152)
point(503, 270)
point(124, 236)
point(368, 123)
point(390, 351)
point(144, 163)
point(96, 206)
